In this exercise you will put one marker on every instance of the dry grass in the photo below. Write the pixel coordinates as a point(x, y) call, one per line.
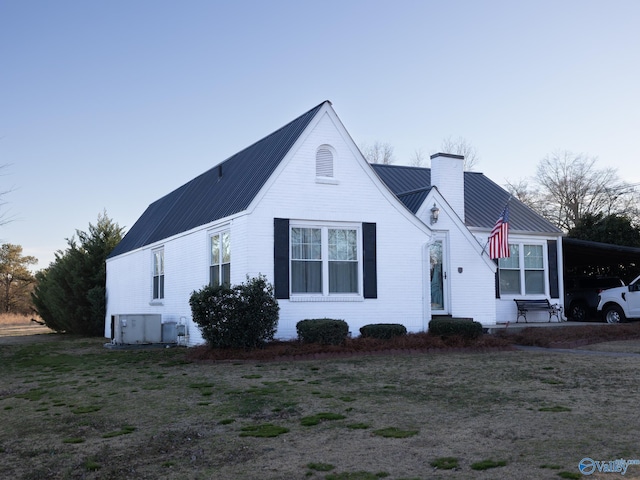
point(73, 409)
point(16, 319)
point(571, 336)
point(18, 326)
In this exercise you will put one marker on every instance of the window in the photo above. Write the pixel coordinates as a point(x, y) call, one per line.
point(343, 261)
point(325, 260)
point(324, 162)
point(533, 269)
point(306, 260)
point(283, 283)
point(220, 261)
point(523, 273)
point(158, 274)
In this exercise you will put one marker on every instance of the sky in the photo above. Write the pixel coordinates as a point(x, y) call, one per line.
point(106, 106)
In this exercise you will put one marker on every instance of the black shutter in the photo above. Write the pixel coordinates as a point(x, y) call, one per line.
point(554, 287)
point(497, 279)
point(370, 275)
point(281, 257)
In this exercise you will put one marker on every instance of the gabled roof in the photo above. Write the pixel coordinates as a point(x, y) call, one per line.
point(224, 190)
point(484, 200)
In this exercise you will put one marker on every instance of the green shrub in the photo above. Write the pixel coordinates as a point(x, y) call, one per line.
point(383, 331)
point(447, 327)
point(243, 316)
point(487, 464)
point(394, 432)
point(323, 330)
point(320, 467)
point(320, 417)
point(265, 430)
point(445, 463)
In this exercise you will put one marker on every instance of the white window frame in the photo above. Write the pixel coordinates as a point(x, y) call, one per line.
point(160, 295)
point(326, 295)
point(522, 270)
point(219, 262)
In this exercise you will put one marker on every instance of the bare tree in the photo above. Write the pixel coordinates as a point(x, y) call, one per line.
point(3, 216)
point(379, 152)
point(418, 159)
point(461, 146)
point(569, 186)
point(525, 191)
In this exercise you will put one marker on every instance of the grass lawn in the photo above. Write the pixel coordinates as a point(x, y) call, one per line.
point(70, 408)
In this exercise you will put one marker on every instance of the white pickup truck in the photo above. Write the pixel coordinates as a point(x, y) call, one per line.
point(620, 303)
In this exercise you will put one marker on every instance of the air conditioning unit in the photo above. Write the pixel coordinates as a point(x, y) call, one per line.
point(169, 332)
point(137, 329)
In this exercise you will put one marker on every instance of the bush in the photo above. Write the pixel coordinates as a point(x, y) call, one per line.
point(447, 327)
point(323, 330)
point(243, 316)
point(383, 331)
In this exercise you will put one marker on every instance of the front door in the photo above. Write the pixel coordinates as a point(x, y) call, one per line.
point(439, 277)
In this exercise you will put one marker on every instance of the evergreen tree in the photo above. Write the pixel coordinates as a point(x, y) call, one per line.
point(614, 229)
point(15, 279)
point(70, 294)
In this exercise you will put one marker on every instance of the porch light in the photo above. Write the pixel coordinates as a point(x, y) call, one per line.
point(435, 212)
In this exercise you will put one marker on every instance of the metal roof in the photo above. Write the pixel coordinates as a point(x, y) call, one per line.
point(484, 200)
point(230, 187)
point(225, 189)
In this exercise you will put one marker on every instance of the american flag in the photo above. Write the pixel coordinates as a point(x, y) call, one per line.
point(499, 236)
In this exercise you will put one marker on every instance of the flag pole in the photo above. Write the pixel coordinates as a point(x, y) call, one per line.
point(485, 247)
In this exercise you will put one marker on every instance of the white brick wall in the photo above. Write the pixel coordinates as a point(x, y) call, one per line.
point(447, 175)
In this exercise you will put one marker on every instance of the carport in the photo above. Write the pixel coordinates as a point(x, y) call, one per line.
point(583, 257)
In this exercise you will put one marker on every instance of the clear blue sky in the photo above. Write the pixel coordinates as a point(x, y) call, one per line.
point(113, 104)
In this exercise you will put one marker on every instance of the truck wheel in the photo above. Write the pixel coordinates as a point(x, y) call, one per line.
point(614, 314)
point(578, 312)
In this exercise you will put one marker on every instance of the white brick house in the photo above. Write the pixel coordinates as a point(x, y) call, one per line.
point(335, 235)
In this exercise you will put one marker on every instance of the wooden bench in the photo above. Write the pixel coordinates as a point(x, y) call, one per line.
point(543, 304)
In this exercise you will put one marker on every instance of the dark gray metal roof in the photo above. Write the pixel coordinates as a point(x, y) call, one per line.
point(225, 189)
point(484, 200)
point(414, 198)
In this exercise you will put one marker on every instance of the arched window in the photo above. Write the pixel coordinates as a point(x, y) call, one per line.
point(324, 162)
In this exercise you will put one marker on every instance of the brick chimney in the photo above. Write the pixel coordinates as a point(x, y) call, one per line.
point(447, 174)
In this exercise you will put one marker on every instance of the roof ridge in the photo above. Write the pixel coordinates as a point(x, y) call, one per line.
point(387, 165)
point(415, 190)
point(288, 124)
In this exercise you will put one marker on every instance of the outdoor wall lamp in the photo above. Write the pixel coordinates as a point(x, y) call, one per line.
point(435, 212)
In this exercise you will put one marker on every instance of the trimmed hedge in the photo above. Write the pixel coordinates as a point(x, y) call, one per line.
point(383, 331)
point(325, 331)
point(447, 327)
